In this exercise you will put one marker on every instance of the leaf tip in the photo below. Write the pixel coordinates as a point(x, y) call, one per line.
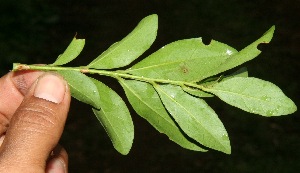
point(152, 20)
point(226, 144)
point(227, 150)
point(124, 152)
point(273, 28)
point(292, 109)
point(269, 35)
point(152, 17)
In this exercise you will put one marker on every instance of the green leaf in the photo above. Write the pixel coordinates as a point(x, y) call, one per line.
point(191, 60)
point(246, 54)
point(72, 51)
point(183, 60)
point(195, 117)
point(254, 95)
point(196, 92)
point(146, 102)
point(131, 47)
point(82, 87)
point(115, 118)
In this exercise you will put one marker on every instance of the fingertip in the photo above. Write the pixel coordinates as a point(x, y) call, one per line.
point(2, 138)
point(58, 162)
point(56, 165)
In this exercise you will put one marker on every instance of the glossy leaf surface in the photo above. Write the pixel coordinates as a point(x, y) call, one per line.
point(82, 88)
point(131, 47)
point(195, 117)
point(115, 118)
point(184, 60)
point(72, 51)
point(146, 102)
point(254, 95)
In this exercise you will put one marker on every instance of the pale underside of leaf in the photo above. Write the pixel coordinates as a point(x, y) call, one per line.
point(146, 102)
point(131, 47)
point(195, 117)
point(82, 88)
point(72, 51)
point(183, 60)
point(115, 118)
point(254, 95)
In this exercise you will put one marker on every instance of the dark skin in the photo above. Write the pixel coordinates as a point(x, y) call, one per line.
point(33, 110)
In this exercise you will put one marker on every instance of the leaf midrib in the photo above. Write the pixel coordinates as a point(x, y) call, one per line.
point(236, 93)
point(169, 63)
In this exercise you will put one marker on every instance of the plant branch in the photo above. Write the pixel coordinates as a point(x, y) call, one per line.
point(114, 74)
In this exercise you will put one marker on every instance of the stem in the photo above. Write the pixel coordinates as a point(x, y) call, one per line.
point(114, 74)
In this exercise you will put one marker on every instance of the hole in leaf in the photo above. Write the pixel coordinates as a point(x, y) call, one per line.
point(206, 41)
point(79, 36)
point(262, 46)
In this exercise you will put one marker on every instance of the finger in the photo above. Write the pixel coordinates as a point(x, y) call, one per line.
point(37, 125)
point(13, 87)
point(58, 161)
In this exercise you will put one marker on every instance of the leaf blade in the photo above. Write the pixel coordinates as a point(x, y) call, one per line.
point(129, 48)
point(147, 104)
point(115, 118)
point(72, 51)
point(206, 128)
point(187, 60)
point(254, 95)
point(82, 88)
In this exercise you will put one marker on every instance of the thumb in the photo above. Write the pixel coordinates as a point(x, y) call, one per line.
point(36, 126)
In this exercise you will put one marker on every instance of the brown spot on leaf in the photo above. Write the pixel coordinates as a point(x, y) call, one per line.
point(184, 69)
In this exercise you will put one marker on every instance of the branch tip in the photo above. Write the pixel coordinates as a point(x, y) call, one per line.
point(18, 67)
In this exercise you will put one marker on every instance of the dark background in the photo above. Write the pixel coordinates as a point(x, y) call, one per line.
point(36, 31)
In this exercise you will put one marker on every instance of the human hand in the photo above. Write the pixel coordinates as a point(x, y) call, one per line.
point(33, 110)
